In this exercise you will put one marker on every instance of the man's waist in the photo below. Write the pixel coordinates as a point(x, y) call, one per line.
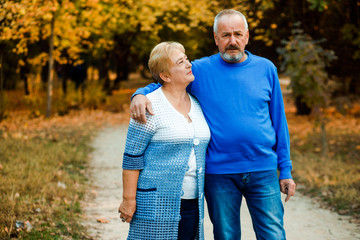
point(239, 162)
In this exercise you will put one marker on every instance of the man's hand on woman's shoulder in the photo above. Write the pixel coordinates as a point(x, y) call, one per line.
point(138, 107)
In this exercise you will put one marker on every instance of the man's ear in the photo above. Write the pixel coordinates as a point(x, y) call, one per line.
point(165, 77)
point(215, 38)
point(247, 36)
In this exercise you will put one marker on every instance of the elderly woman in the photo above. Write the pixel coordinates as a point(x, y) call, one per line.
point(164, 159)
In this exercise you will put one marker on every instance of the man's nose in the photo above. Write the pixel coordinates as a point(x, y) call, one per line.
point(232, 40)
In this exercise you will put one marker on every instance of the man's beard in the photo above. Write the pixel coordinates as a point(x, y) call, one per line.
point(232, 58)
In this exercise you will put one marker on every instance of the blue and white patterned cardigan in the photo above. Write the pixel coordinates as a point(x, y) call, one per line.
point(160, 149)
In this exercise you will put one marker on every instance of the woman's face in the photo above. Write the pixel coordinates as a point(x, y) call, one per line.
point(180, 69)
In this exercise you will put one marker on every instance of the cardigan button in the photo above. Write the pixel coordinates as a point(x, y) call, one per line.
point(200, 170)
point(196, 141)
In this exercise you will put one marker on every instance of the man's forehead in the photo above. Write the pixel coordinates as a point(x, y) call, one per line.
point(231, 23)
point(231, 27)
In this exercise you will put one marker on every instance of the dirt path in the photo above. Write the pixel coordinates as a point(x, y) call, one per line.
point(304, 220)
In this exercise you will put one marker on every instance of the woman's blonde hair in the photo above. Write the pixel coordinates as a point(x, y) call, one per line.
point(160, 61)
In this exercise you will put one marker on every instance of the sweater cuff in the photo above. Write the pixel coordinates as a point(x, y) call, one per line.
point(285, 173)
point(131, 162)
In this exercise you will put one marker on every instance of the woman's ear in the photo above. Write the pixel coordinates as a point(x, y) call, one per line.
point(165, 77)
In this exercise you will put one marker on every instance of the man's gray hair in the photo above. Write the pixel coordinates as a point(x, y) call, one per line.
point(228, 12)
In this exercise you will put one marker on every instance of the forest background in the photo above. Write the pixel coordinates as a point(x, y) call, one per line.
point(67, 64)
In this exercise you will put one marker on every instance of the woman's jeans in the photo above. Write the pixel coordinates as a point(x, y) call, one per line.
point(189, 222)
point(261, 190)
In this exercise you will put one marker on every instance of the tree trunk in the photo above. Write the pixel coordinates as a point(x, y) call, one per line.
point(24, 71)
point(51, 72)
point(2, 104)
point(301, 107)
point(103, 74)
point(26, 86)
point(323, 140)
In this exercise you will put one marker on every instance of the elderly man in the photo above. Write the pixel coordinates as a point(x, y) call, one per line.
point(241, 99)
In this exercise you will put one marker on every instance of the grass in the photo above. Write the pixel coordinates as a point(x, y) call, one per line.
point(43, 180)
point(334, 180)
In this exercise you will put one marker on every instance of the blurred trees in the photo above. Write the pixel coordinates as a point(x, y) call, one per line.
point(118, 35)
point(337, 22)
point(108, 35)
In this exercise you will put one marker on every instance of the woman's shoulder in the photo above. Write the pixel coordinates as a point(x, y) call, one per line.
point(154, 95)
point(157, 99)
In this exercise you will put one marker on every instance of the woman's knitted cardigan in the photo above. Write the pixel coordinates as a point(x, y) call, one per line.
point(160, 149)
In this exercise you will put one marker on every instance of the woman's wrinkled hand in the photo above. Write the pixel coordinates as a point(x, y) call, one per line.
point(127, 210)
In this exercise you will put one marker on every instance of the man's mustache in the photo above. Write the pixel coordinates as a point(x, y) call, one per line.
point(232, 47)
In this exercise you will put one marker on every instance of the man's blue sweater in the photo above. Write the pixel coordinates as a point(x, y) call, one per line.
point(243, 105)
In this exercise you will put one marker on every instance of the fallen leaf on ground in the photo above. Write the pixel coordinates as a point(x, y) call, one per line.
point(102, 220)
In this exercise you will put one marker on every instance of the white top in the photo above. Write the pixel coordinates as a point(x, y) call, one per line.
point(189, 187)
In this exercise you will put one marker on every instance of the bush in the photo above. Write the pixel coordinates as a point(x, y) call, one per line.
point(36, 104)
point(94, 95)
point(305, 61)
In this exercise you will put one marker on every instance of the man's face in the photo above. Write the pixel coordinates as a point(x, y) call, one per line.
point(231, 38)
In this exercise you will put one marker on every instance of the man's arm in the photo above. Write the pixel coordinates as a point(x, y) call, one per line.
point(278, 117)
point(140, 103)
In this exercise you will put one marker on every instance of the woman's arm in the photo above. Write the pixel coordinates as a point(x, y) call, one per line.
point(137, 140)
point(128, 206)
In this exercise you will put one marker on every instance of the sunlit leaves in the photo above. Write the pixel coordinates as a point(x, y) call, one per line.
point(92, 26)
point(28, 23)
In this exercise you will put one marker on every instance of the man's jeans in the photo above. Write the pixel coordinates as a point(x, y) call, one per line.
point(261, 190)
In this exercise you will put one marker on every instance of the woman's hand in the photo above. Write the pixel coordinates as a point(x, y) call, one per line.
point(127, 209)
